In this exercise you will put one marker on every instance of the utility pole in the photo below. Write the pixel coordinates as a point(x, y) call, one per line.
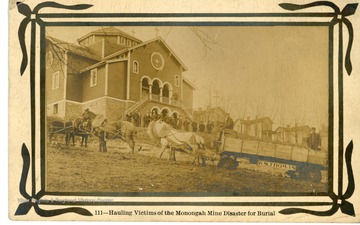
point(210, 96)
point(133, 32)
point(216, 97)
point(157, 31)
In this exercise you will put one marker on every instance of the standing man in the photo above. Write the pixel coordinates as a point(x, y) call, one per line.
point(201, 126)
point(86, 115)
point(146, 120)
point(128, 117)
point(314, 140)
point(186, 124)
point(154, 115)
point(179, 123)
point(174, 121)
point(194, 126)
point(209, 126)
point(137, 118)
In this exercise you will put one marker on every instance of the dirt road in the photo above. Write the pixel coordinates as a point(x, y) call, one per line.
point(79, 169)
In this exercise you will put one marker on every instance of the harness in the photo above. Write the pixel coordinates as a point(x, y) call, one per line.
point(116, 134)
point(184, 143)
point(58, 131)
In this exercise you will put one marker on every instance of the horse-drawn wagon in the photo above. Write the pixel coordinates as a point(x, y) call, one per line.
point(299, 162)
point(69, 128)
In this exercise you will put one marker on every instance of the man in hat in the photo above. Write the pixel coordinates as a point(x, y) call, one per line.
point(179, 123)
point(228, 125)
point(229, 122)
point(186, 124)
point(146, 120)
point(86, 114)
point(314, 140)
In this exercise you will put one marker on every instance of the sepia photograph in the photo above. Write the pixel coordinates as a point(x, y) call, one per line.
point(203, 111)
point(226, 109)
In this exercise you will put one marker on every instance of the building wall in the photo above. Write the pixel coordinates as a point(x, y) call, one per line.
point(110, 108)
point(57, 66)
point(96, 47)
point(188, 96)
point(114, 109)
point(111, 45)
point(90, 93)
point(75, 63)
point(73, 110)
point(74, 88)
point(60, 106)
point(79, 90)
point(98, 106)
point(143, 56)
point(117, 79)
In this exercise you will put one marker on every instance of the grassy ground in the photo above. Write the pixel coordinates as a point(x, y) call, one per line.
point(77, 169)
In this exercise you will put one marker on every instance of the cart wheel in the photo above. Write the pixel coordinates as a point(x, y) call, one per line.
point(292, 174)
point(227, 163)
point(311, 174)
point(314, 176)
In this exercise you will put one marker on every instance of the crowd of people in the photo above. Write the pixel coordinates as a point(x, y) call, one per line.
point(175, 120)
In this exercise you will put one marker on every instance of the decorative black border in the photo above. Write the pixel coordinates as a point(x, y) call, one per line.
point(33, 16)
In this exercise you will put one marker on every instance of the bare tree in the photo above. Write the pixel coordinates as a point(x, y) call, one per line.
point(205, 39)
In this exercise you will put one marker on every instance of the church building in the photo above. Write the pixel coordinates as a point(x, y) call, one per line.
point(114, 74)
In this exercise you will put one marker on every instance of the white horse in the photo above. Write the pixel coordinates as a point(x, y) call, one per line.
point(176, 140)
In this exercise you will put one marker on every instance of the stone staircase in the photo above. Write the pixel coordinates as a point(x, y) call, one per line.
point(146, 99)
point(138, 105)
point(187, 112)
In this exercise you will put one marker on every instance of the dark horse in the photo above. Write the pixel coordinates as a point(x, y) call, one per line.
point(70, 129)
point(81, 128)
point(122, 130)
point(60, 127)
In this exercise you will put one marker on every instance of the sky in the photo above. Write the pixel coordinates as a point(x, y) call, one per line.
point(276, 71)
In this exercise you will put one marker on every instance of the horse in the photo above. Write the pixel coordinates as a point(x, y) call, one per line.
point(58, 126)
point(122, 130)
point(81, 128)
point(176, 140)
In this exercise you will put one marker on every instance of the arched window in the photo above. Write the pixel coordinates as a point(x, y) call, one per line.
point(177, 81)
point(166, 91)
point(145, 86)
point(155, 111)
point(156, 87)
point(175, 115)
point(136, 67)
point(165, 112)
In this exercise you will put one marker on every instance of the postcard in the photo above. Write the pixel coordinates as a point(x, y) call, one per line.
point(226, 111)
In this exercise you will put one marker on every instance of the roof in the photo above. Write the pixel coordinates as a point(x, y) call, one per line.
point(78, 50)
point(262, 119)
point(109, 31)
point(190, 83)
point(293, 129)
point(138, 46)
